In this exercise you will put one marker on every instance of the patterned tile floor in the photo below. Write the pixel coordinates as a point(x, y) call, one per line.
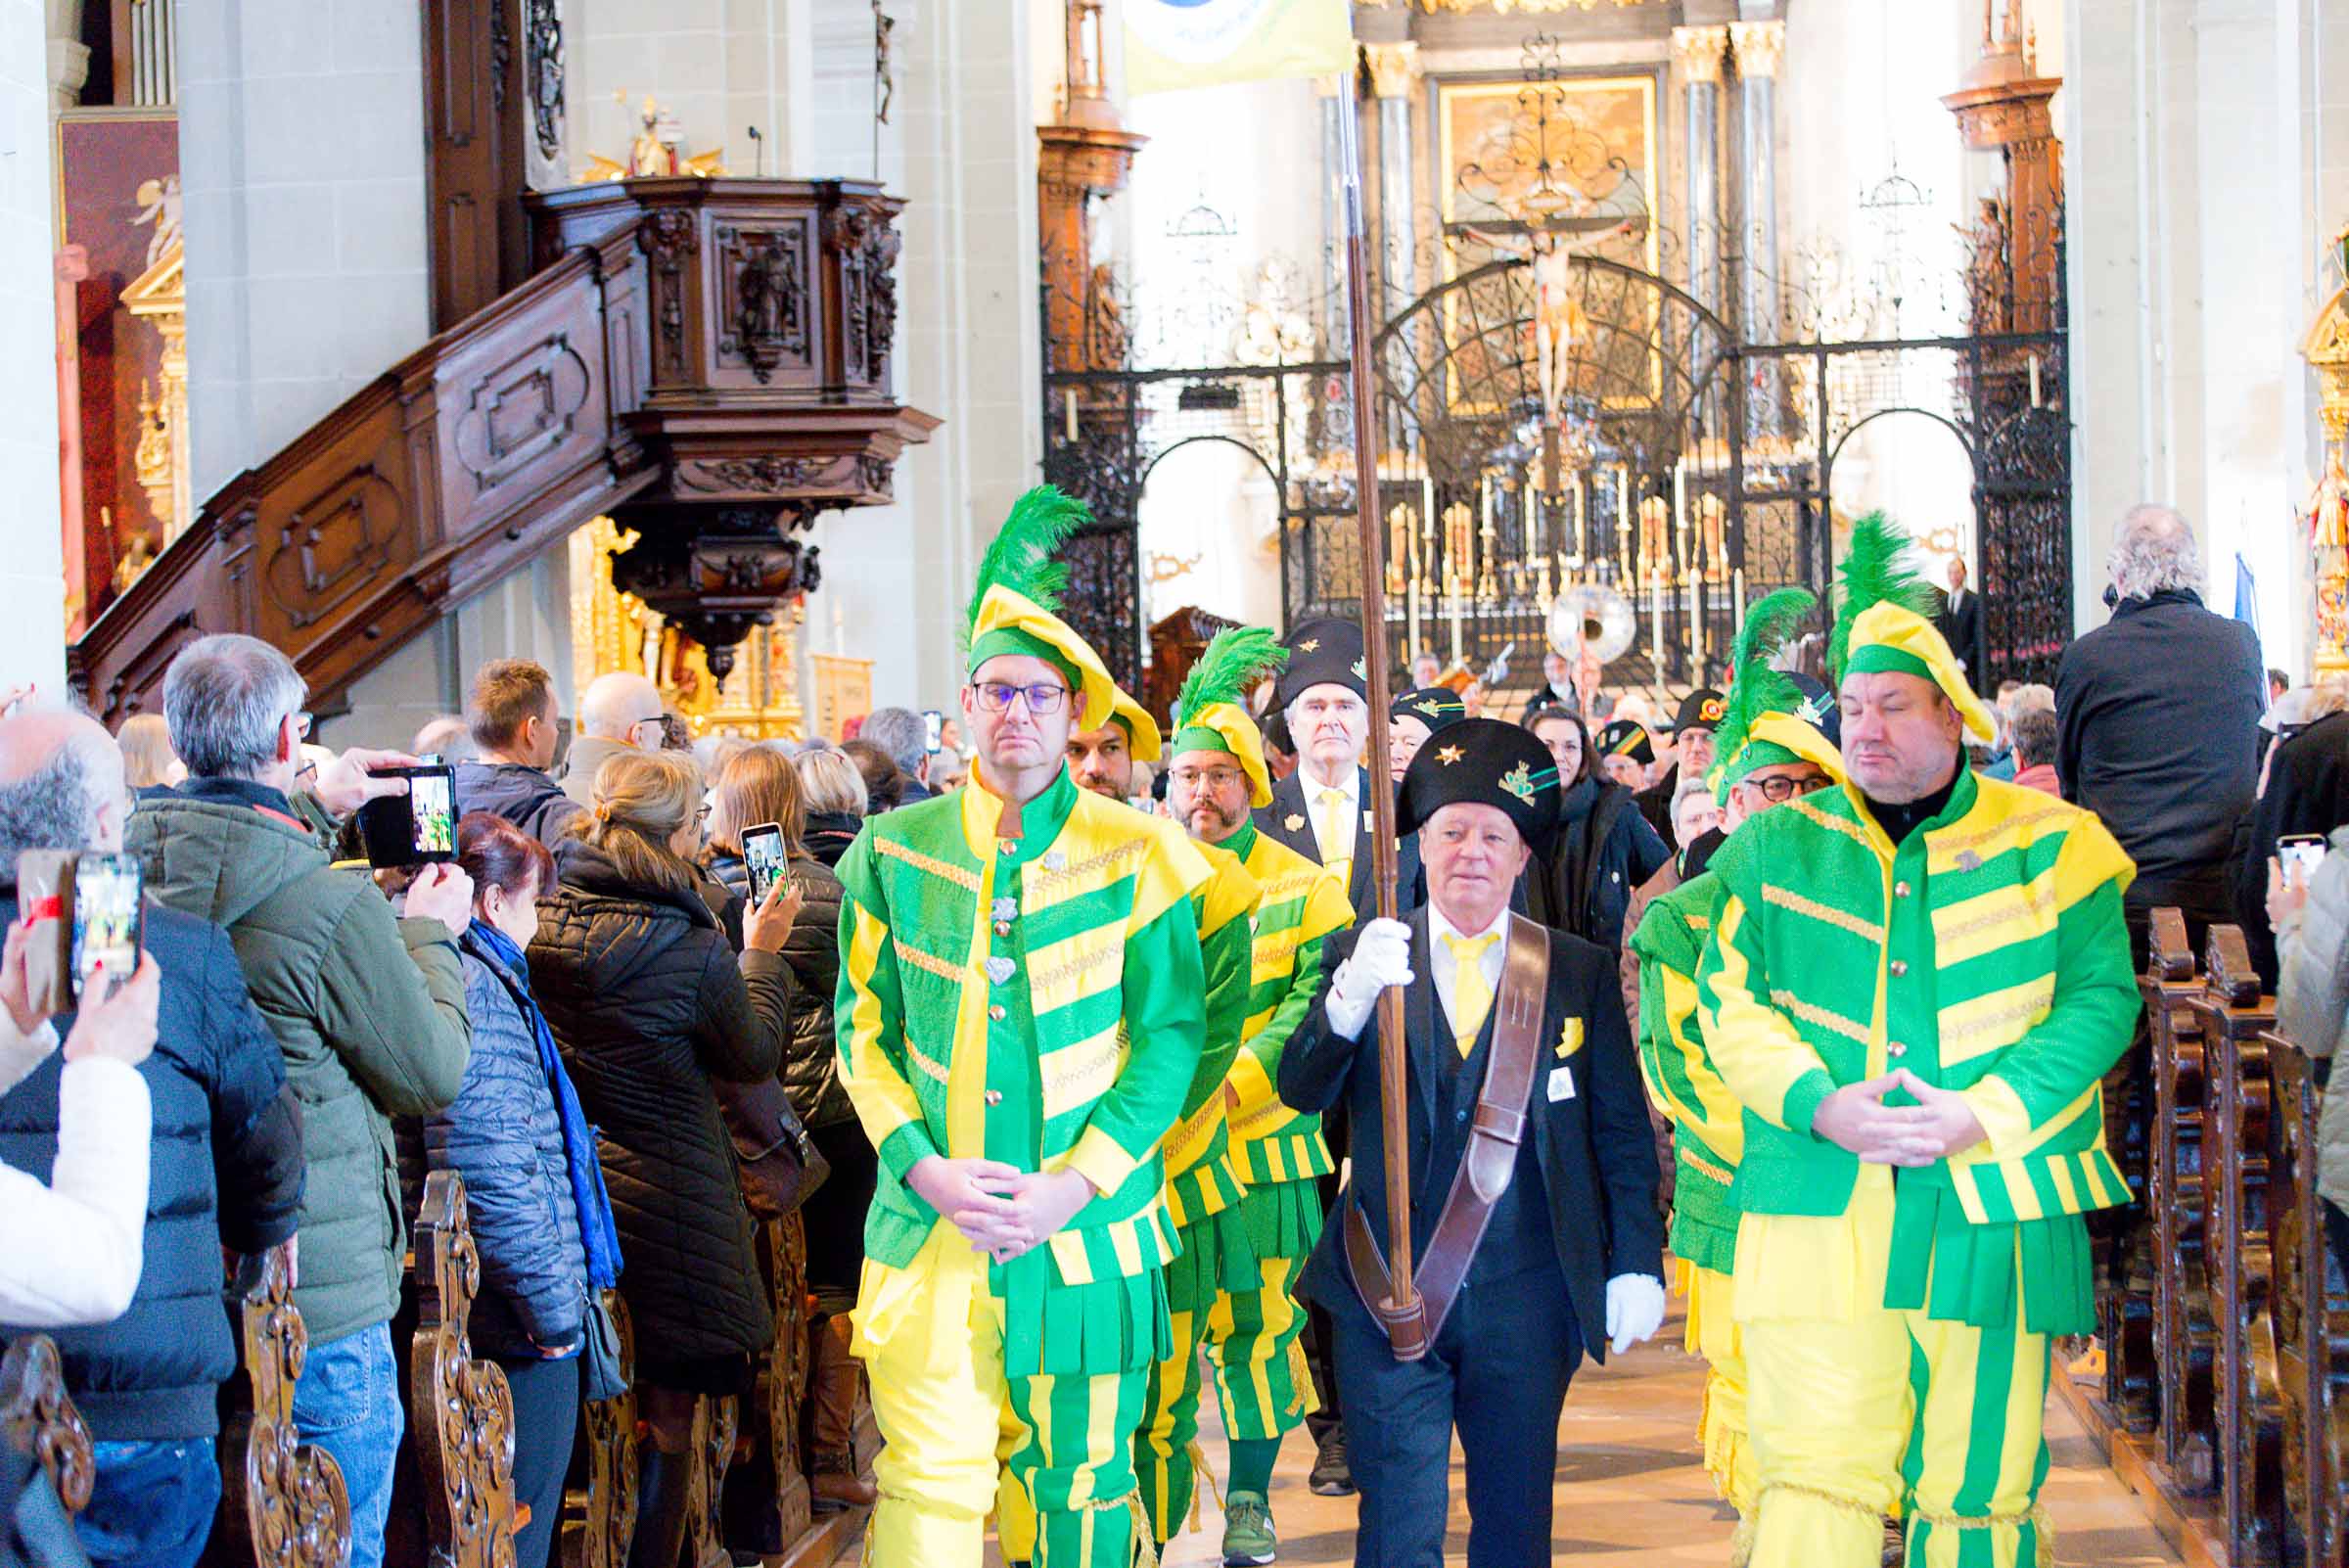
point(1630, 1489)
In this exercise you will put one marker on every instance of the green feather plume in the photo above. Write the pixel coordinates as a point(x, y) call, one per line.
point(1755, 689)
point(1871, 574)
point(1022, 557)
point(1237, 659)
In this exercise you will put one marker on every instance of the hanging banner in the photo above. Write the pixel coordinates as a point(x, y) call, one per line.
point(1173, 44)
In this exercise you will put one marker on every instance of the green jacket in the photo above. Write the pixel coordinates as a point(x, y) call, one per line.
point(1708, 1132)
point(1301, 904)
point(1036, 1002)
point(368, 1008)
point(1987, 955)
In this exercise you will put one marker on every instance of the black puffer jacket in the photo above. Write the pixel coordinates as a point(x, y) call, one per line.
point(504, 1138)
point(226, 1170)
point(1603, 848)
point(811, 1056)
point(830, 833)
point(648, 1005)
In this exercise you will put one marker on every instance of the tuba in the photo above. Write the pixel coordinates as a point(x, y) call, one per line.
point(1589, 617)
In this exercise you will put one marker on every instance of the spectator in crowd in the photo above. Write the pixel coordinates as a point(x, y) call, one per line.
point(2310, 920)
point(1280, 747)
point(1625, 753)
point(649, 1005)
point(226, 1167)
point(368, 1008)
point(1960, 619)
point(764, 786)
point(148, 764)
point(832, 792)
point(1603, 848)
point(446, 736)
point(512, 713)
point(1687, 756)
point(541, 1217)
point(946, 774)
point(711, 754)
point(1426, 669)
point(2279, 683)
point(1557, 683)
point(2157, 717)
point(2304, 790)
point(884, 783)
point(2015, 699)
point(903, 736)
point(2034, 733)
point(71, 1248)
point(618, 713)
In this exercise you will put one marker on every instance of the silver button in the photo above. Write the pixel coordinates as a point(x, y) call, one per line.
point(1896, 1048)
point(996, 1012)
point(1900, 889)
point(1899, 967)
point(1002, 928)
point(994, 1096)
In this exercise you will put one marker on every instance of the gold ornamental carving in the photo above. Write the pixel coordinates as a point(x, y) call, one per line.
point(162, 456)
point(1394, 69)
point(1698, 52)
point(1760, 47)
point(2326, 517)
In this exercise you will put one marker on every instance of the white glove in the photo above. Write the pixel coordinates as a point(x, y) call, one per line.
point(1381, 958)
point(1635, 1311)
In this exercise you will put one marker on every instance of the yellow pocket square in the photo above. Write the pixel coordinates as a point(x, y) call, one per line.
point(1570, 1038)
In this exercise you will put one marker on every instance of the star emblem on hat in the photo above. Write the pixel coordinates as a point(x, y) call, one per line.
point(1310, 645)
point(1449, 755)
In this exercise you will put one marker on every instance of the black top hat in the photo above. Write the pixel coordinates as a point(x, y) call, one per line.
point(1323, 651)
point(1488, 762)
point(1436, 707)
point(1699, 709)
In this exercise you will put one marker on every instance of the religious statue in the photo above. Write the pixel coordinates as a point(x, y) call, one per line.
point(158, 204)
point(2326, 516)
point(648, 154)
point(1989, 276)
point(654, 151)
point(886, 87)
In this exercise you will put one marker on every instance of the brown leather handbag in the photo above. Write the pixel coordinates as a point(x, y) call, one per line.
point(777, 1162)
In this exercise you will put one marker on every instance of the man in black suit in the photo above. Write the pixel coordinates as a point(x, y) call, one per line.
point(1507, 1025)
point(1960, 620)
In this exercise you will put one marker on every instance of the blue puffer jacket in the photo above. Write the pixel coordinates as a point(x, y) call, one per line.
point(505, 1137)
point(524, 796)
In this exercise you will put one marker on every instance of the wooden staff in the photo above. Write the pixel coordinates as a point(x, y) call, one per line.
point(1392, 1056)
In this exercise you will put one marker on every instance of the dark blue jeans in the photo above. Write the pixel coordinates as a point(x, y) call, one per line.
point(347, 1403)
point(151, 1506)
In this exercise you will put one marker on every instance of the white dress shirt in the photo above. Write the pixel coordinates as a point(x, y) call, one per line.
point(1316, 812)
point(1440, 959)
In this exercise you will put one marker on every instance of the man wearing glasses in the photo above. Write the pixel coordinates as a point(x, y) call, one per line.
point(1020, 1015)
point(1770, 750)
point(618, 713)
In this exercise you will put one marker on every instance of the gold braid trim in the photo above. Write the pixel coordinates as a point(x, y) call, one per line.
point(1954, 843)
point(1706, 1168)
point(2035, 1516)
point(1787, 1001)
point(1862, 1511)
point(959, 876)
point(1145, 1553)
point(1833, 824)
point(1204, 1481)
point(2027, 904)
point(1047, 881)
point(1811, 908)
point(1741, 1544)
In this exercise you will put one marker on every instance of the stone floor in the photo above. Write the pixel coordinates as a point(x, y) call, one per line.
point(1630, 1489)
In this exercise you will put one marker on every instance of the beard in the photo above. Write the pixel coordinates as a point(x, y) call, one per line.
point(1209, 820)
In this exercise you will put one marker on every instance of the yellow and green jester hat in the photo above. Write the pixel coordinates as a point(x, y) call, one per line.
point(1882, 625)
point(1015, 605)
point(1764, 718)
point(1208, 712)
point(1144, 743)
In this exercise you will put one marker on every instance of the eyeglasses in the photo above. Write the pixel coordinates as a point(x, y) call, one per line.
point(701, 814)
point(1780, 789)
point(1043, 699)
point(302, 726)
point(1212, 778)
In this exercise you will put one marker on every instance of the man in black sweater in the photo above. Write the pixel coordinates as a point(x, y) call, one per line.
point(227, 1171)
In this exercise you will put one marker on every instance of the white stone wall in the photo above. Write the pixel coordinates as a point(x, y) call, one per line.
point(721, 65)
point(302, 156)
point(32, 581)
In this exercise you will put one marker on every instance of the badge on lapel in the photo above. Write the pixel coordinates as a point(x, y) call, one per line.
point(1293, 821)
point(1561, 1083)
point(1570, 1040)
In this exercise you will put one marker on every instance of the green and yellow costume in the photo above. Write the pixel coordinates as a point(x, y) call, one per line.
point(1034, 1000)
point(1896, 1324)
point(1761, 725)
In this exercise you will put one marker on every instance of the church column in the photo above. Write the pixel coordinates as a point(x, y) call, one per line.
point(1759, 47)
point(33, 578)
point(1395, 78)
point(1698, 52)
point(68, 56)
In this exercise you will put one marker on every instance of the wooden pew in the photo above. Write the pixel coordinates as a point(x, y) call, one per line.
point(769, 1508)
point(2123, 1240)
point(2185, 1337)
point(283, 1502)
point(599, 1510)
point(37, 1419)
point(2234, 1015)
point(2311, 1318)
point(460, 1411)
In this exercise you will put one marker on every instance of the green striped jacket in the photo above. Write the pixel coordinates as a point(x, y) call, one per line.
point(1708, 1132)
point(1200, 1177)
point(1300, 905)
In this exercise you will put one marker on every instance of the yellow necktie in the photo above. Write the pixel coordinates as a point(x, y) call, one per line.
point(1337, 836)
point(1471, 998)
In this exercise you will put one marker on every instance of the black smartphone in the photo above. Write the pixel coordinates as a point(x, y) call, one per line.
point(2301, 853)
point(933, 729)
point(108, 919)
point(411, 829)
point(764, 858)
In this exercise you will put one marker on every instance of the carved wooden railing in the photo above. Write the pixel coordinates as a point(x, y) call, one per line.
point(2125, 1240)
point(599, 1520)
point(460, 1410)
point(2311, 1318)
point(707, 360)
point(38, 1420)
point(772, 1507)
point(283, 1503)
point(2184, 1338)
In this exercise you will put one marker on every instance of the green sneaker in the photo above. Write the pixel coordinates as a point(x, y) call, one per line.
point(1248, 1538)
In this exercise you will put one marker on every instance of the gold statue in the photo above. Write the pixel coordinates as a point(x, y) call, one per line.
point(654, 152)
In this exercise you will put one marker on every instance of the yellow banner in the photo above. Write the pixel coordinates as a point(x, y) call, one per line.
point(1172, 44)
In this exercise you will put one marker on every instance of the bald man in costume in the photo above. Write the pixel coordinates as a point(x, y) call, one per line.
point(1020, 1018)
point(1913, 985)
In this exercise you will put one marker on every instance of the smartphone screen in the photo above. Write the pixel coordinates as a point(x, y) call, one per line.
point(933, 729)
point(2300, 854)
point(106, 918)
point(410, 829)
point(763, 854)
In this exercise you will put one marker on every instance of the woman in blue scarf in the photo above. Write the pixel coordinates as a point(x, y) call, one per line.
point(516, 1134)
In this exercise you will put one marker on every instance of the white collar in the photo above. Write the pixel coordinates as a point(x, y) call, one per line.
point(1351, 786)
point(1438, 926)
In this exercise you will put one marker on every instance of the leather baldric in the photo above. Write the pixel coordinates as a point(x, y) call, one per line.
point(1486, 1166)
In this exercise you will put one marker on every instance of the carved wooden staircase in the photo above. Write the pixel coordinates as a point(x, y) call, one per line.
point(704, 360)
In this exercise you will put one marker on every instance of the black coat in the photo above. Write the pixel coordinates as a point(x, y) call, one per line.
point(2308, 792)
point(505, 1137)
point(1603, 850)
point(1961, 627)
point(524, 796)
point(830, 833)
point(1290, 820)
point(811, 1056)
point(648, 1005)
point(2157, 729)
point(1597, 1152)
point(225, 1171)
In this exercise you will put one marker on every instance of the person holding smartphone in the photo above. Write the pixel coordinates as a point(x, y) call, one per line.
point(2310, 911)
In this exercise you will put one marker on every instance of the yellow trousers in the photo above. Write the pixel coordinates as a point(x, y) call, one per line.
point(1857, 1412)
point(1713, 1334)
point(931, 1335)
